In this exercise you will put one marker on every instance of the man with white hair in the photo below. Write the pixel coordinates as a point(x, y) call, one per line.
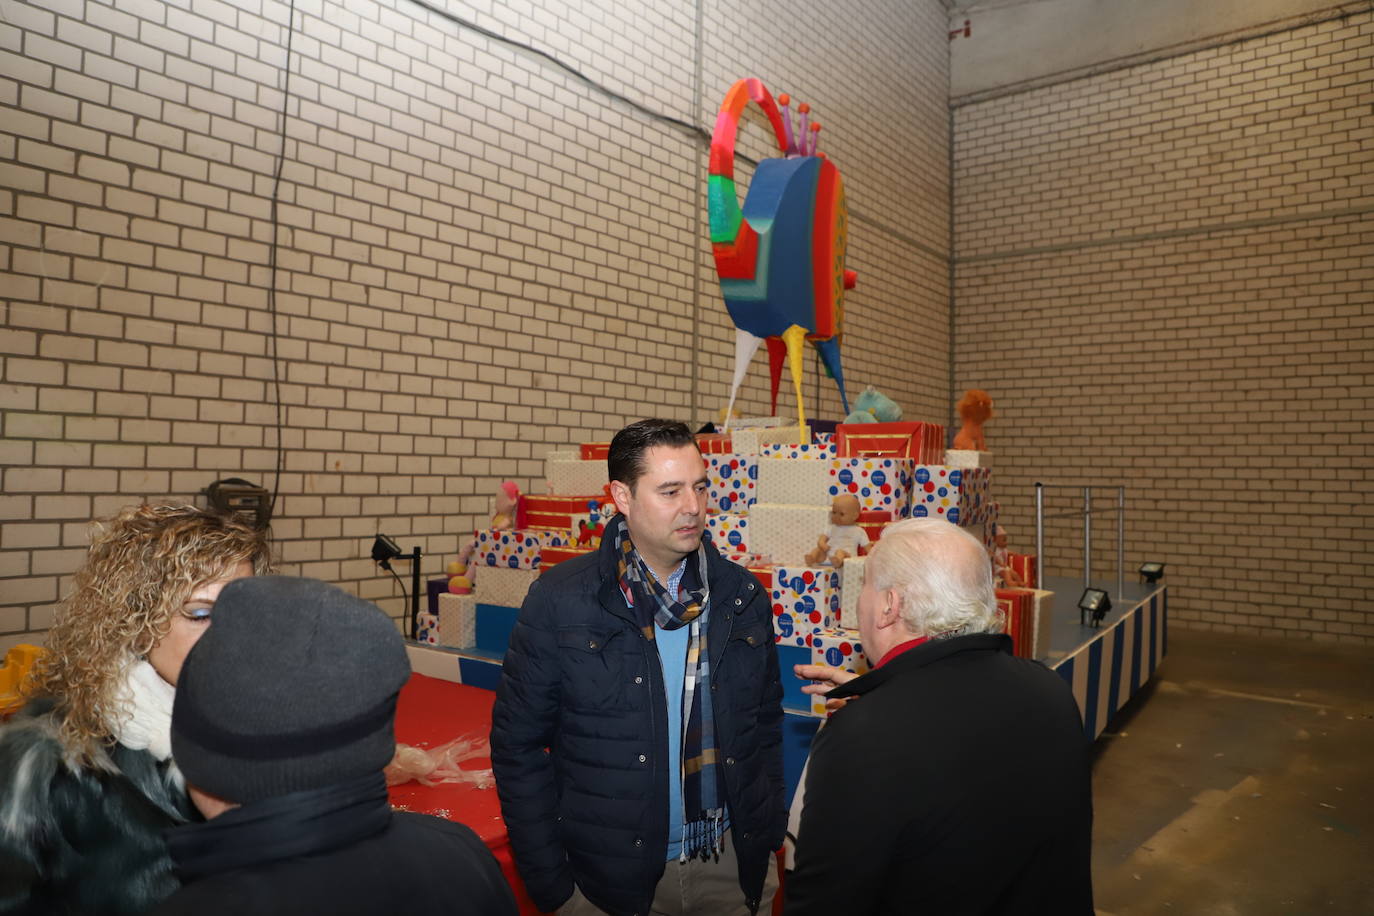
point(956, 778)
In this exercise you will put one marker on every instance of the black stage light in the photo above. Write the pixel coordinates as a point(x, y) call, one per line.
point(384, 550)
point(1151, 572)
point(1094, 605)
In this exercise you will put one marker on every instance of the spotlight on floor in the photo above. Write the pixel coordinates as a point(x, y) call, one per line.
point(1093, 606)
point(1151, 572)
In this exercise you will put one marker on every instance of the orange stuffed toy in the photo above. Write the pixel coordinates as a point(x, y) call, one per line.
point(975, 409)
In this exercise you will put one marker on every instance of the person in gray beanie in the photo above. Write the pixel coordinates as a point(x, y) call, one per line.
point(282, 724)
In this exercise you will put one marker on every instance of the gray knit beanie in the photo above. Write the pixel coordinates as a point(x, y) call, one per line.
point(293, 686)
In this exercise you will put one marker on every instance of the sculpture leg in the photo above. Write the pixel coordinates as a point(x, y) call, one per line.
point(746, 345)
point(830, 358)
point(777, 352)
point(795, 338)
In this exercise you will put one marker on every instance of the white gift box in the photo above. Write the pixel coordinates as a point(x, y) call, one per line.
point(457, 620)
point(501, 586)
point(575, 478)
point(786, 533)
point(794, 482)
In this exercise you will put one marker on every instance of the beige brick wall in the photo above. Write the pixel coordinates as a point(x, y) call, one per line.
point(481, 256)
point(1165, 275)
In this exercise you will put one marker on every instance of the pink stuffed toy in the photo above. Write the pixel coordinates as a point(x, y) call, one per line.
point(507, 499)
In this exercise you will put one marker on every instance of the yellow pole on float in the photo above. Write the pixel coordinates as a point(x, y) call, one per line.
point(795, 338)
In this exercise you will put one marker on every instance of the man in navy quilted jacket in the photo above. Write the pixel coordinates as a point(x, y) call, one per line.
point(637, 732)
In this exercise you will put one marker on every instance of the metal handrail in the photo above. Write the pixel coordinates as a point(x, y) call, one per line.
point(1086, 512)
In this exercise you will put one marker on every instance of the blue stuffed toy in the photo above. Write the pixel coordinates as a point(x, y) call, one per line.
point(874, 407)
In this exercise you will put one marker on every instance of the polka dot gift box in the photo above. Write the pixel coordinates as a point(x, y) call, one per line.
point(879, 483)
point(791, 450)
point(729, 531)
point(838, 649)
point(806, 600)
point(733, 481)
point(959, 495)
point(513, 549)
point(428, 628)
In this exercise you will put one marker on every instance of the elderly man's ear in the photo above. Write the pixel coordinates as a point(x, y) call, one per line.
point(892, 611)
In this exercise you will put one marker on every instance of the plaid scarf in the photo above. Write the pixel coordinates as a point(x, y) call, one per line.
point(703, 795)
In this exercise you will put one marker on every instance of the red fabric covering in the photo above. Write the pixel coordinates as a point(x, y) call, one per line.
point(430, 712)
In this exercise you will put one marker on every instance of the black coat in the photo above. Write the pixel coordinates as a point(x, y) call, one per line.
point(82, 840)
point(956, 782)
point(581, 680)
point(417, 866)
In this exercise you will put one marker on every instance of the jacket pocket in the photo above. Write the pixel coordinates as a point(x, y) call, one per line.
point(591, 660)
point(745, 664)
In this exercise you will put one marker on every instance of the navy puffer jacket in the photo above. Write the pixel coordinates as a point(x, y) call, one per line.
point(582, 681)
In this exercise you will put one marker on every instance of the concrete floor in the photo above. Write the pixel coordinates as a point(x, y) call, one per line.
point(1240, 782)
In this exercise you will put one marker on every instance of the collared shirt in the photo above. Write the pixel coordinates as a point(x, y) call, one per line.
point(899, 649)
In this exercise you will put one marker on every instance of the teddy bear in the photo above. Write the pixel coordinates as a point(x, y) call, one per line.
point(975, 409)
point(872, 406)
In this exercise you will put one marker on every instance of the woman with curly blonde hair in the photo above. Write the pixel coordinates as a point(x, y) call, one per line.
point(87, 783)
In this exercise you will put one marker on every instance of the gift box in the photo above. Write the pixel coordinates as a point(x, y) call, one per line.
point(796, 483)
point(1018, 608)
point(967, 458)
point(457, 621)
point(824, 440)
point(1024, 564)
point(729, 531)
point(427, 628)
point(552, 556)
point(513, 549)
point(837, 649)
point(784, 533)
point(958, 495)
point(805, 599)
point(873, 523)
point(565, 511)
point(1040, 629)
point(809, 450)
point(733, 481)
point(572, 454)
point(713, 443)
point(752, 440)
point(851, 583)
point(568, 478)
point(594, 451)
point(881, 484)
point(502, 587)
point(923, 443)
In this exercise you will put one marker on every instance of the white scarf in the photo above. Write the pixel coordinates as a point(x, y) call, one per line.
point(145, 712)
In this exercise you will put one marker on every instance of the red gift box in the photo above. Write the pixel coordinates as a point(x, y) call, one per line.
point(550, 557)
point(594, 451)
point(1024, 564)
point(713, 443)
point(764, 574)
point(873, 522)
point(1018, 604)
point(923, 441)
point(560, 511)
